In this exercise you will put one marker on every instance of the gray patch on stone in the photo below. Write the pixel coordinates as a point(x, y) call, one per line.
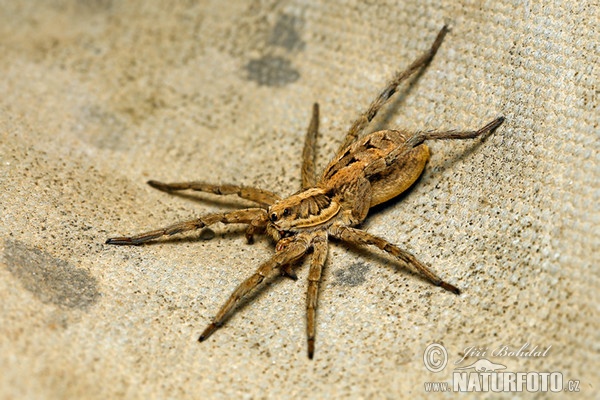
point(102, 128)
point(50, 279)
point(354, 275)
point(272, 71)
point(286, 33)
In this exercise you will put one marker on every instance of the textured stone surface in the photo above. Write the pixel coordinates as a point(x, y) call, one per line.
point(100, 96)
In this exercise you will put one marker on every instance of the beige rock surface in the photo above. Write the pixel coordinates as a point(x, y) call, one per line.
point(99, 96)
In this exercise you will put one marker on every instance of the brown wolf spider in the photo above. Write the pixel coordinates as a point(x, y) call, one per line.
point(365, 172)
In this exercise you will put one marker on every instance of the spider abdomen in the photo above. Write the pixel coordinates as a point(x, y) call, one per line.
point(390, 180)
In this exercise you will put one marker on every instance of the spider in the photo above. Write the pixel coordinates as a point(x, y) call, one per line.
point(365, 172)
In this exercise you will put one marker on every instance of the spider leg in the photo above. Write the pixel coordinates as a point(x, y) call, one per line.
point(309, 177)
point(314, 278)
point(252, 216)
point(418, 138)
point(360, 237)
point(390, 89)
point(260, 196)
point(288, 271)
point(292, 252)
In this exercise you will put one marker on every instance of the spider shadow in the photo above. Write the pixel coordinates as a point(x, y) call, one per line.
point(257, 293)
point(460, 151)
point(378, 256)
point(385, 115)
point(232, 230)
point(220, 201)
point(385, 260)
point(229, 202)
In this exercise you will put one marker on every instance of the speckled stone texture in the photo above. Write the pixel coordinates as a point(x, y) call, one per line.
point(99, 96)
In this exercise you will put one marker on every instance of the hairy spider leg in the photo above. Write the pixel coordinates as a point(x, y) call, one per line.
point(252, 216)
point(309, 175)
point(383, 97)
point(290, 254)
point(359, 237)
point(417, 138)
point(319, 256)
point(263, 197)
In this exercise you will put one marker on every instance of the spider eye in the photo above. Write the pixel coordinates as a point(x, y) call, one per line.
point(286, 212)
point(274, 217)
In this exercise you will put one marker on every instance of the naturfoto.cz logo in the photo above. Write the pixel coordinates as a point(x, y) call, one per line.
point(484, 375)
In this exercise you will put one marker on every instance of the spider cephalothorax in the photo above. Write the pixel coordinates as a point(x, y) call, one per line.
point(365, 172)
point(308, 209)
